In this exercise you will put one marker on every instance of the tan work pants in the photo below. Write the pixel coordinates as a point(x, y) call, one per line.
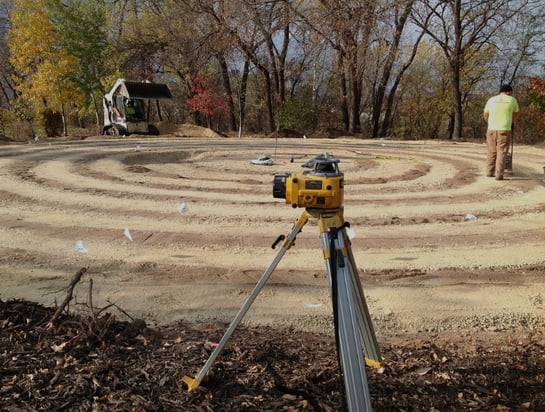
point(497, 142)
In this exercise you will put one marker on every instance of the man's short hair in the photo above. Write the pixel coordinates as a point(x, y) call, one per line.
point(506, 88)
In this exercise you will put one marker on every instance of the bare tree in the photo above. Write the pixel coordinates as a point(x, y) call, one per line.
point(395, 82)
point(462, 28)
point(265, 45)
point(212, 42)
point(522, 54)
point(260, 31)
point(140, 49)
point(399, 14)
point(347, 27)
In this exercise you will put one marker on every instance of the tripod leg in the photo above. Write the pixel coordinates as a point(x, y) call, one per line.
point(193, 383)
point(348, 335)
point(334, 224)
point(370, 344)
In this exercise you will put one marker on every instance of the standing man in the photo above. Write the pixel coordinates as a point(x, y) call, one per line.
point(501, 111)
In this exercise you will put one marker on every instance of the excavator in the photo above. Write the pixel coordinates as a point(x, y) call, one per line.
point(130, 106)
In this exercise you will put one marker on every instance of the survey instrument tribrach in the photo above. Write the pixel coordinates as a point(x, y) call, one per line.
point(320, 192)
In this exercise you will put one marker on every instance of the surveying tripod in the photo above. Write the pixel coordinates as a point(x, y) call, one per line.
point(353, 324)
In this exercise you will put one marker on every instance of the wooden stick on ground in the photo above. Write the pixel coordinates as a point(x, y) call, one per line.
point(75, 279)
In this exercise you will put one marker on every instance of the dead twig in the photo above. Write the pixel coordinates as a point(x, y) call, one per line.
point(121, 310)
point(75, 279)
point(90, 300)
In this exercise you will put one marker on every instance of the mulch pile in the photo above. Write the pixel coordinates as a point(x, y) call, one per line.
point(100, 363)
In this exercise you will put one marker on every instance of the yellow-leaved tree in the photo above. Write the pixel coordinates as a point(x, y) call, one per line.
point(44, 67)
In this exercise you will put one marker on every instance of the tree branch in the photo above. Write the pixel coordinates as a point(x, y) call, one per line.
point(75, 279)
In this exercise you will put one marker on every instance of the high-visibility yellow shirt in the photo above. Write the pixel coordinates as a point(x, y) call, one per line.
point(500, 111)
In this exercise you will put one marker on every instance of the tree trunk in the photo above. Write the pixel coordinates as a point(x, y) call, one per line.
point(228, 90)
point(355, 99)
point(387, 71)
point(344, 97)
point(242, 95)
point(450, 125)
point(282, 65)
point(457, 64)
point(63, 116)
point(269, 100)
point(95, 107)
point(457, 105)
point(389, 108)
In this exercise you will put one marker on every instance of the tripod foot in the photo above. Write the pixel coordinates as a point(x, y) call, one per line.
point(372, 363)
point(191, 383)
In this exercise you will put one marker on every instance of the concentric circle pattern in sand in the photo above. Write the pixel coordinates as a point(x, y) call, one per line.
point(196, 211)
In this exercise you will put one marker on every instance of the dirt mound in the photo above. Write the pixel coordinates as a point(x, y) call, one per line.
point(191, 130)
point(98, 362)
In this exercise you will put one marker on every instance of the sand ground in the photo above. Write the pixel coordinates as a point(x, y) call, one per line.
point(175, 228)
